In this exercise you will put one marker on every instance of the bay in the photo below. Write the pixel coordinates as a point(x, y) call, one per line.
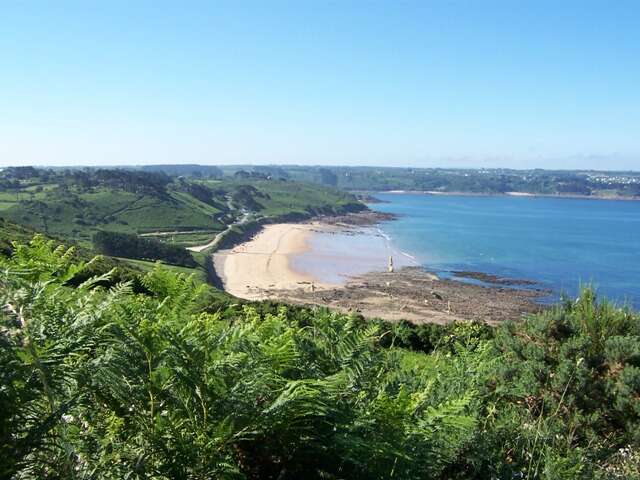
point(562, 243)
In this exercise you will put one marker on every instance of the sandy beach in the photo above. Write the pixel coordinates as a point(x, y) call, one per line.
point(263, 263)
point(287, 262)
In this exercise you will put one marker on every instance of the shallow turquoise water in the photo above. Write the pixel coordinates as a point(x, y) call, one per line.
point(335, 257)
point(559, 242)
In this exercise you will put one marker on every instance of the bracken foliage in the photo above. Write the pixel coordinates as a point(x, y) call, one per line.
point(103, 383)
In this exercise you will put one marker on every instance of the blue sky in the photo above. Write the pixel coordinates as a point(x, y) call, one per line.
point(502, 84)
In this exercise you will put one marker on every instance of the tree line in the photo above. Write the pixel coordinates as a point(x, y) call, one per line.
point(117, 244)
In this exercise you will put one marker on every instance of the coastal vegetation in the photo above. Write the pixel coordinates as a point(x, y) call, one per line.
point(102, 381)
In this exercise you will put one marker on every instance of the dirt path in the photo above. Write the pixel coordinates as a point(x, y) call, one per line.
point(177, 232)
point(219, 236)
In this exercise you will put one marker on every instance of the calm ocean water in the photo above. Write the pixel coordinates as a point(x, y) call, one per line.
point(335, 257)
point(558, 242)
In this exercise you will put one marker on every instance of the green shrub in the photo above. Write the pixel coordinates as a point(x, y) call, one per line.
point(566, 389)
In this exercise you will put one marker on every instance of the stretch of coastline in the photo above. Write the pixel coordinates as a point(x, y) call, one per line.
point(271, 265)
point(513, 194)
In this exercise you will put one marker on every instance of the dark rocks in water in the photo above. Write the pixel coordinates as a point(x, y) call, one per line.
point(494, 279)
point(366, 218)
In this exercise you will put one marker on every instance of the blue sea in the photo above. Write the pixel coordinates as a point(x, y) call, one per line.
point(559, 242)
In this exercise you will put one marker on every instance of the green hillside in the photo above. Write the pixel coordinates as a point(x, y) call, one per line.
point(75, 213)
point(277, 197)
point(76, 204)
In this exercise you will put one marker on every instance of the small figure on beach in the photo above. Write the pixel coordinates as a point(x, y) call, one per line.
point(390, 267)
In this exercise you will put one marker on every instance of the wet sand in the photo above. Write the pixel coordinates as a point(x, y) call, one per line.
point(285, 262)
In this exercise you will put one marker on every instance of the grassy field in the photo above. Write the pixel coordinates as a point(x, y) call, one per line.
point(189, 239)
point(78, 214)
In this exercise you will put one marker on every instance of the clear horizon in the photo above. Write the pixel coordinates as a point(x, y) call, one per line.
point(320, 165)
point(445, 84)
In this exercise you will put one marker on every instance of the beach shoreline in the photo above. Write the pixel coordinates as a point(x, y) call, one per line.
point(262, 263)
point(505, 194)
point(267, 267)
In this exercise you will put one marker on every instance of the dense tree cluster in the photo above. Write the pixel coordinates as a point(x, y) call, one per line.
point(134, 181)
point(117, 244)
point(328, 177)
point(272, 171)
point(247, 197)
point(204, 194)
point(20, 173)
point(197, 171)
point(256, 174)
point(127, 180)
